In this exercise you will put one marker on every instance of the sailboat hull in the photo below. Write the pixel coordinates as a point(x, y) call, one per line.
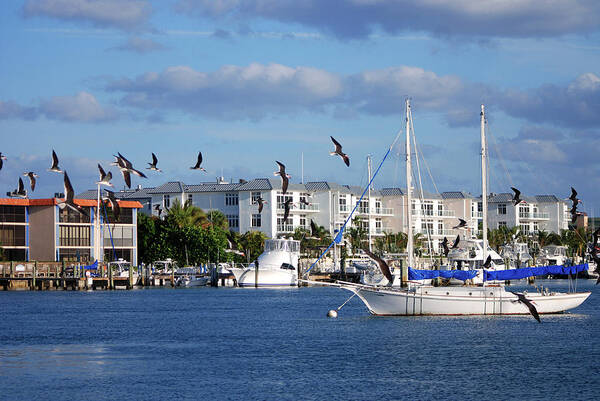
point(427, 300)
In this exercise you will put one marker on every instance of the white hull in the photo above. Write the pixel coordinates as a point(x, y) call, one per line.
point(426, 300)
point(193, 282)
point(266, 277)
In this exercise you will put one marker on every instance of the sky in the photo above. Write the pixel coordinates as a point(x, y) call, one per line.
point(248, 82)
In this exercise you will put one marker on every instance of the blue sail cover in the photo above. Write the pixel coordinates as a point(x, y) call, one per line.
point(414, 274)
point(516, 274)
point(93, 266)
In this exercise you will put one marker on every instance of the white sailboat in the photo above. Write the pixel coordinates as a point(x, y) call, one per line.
point(487, 298)
point(277, 266)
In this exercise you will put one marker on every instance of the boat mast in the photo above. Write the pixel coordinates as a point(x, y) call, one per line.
point(369, 199)
point(97, 235)
point(484, 182)
point(409, 246)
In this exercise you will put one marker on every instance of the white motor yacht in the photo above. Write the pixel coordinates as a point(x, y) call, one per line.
point(277, 266)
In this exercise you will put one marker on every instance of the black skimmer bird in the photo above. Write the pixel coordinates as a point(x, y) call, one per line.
point(445, 246)
point(488, 262)
point(314, 230)
point(284, 177)
point(104, 177)
point(158, 210)
point(574, 214)
point(532, 309)
point(574, 197)
point(2, 158)
point(130, 168)
point(70, 196)
point(461, 224)
point(198, 163)
point(20, 192)
point(54, 168)
point(287, 205)
point(114, 204)
point(32, 176)
point(338, 151)
point(516, 197)
point(303, 201)
point(123, 169)
point(385, 269)
point(153, 164)
point(260, 202)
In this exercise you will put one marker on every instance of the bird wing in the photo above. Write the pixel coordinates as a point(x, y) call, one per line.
point(516, 191)
point(127, 178)
point(488, 262)
point(21, 187)
point(102, 172)
point(138, 173)
point(456, 242)
point(313, 228)
point(199, 161)
point(338, 146)
point(462, 222)
point(281, 167)
point(154, 160)
point(530, 306)
point(32, 179)
point(125, 161)
point(54, 159)
point(573, 196)
point(385, 269)
point(284, 184)
point(69, 192)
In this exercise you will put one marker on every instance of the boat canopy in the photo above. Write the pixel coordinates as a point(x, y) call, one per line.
point(515, 274)
point(414, 274)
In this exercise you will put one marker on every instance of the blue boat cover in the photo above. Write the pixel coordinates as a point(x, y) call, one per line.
point(93, 266)
point(414, 274)
point(515, 274)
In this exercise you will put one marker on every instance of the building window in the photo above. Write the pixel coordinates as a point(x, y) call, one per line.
point(304, 201)
point(378, 226)
point(79, 255)
point(166, 201)
point(281, 199)
point(121, 237)
point(502, 208)
point(68, 215)
point(378, 206)
point(255, 196)
point(12, 235)
point(233, 220)
point(284, 226)
point(363, 206)
point(190, 199)
point(343, 205)
point(12, 214)
point(303, 221)
point(502, 224)
point(524, 228)
point(74, 236)
point(231, 199)
point(256, 220)
point(536, 228)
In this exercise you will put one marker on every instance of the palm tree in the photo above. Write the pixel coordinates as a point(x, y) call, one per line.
point(186, 215)
point(218, 219)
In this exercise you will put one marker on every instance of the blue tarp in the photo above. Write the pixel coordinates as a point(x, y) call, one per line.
point(93, 266)
point(463, 275)
point(516, 274)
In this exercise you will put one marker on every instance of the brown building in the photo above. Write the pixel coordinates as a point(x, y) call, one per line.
point(41, 229)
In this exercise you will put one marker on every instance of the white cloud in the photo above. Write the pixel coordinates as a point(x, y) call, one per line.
point(125, 15)
point(82, 107)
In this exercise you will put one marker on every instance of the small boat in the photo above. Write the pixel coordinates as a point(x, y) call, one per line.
point(554, 255)
point(517, 253)
point(121, 268)
point(190, 277)
point(277, 266)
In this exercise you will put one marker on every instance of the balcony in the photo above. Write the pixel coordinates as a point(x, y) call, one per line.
point(533, 216)
point(433, 213)
point(478, 215)
point(286, 228)
point(438, 233)
point(377, 211)
point(313, 207)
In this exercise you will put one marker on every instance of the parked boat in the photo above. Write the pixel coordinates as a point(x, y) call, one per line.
point(554, 255)
point(517, 254)
point(454, 300)
point(120, 269)
point(277, 266)
point(190, 277)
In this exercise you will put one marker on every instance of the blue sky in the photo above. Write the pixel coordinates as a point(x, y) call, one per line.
point(248, 82)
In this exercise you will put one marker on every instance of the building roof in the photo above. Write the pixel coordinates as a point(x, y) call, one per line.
point(55, 201)
point(170, 187)
point(211, 187)
point(392, 192)
point(456, 195)
point(507, 197)
point(548, 199)
point(258, 184)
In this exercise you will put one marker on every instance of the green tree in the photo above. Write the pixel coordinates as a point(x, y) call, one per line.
point(253, 243)
point(218, 219)
point(186, 215)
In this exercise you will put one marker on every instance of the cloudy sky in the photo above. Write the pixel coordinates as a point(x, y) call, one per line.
point(248, 82)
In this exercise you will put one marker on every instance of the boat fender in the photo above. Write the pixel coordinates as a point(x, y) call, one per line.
point(332, 313)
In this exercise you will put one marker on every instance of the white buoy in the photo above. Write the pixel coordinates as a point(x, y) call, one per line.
point(332, 313)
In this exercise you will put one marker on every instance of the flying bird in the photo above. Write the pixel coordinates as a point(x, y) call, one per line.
point(445, 246)
point(314, 230)
point(69, 196)
point(383, 266)
point(284, 177)
point(574, 197)
point(2, 158)
point(532, 309)
point(574, 214)
point(338, 151)
point(198, 163)
point(123, 169)
point(130, 168)
point(104, 177)
point(32, 176)
point(153, 164)
point(286, 209)
point(260, 202)
point(461, 224)
point(303, 201)
point(114, 204)
point(516, 197)
point(54, 168)
point(20, 192)
point(456, 242)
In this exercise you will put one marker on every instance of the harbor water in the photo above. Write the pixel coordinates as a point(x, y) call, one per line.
point(278, 344)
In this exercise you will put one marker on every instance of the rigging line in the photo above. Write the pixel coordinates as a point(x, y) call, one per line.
point(499, 155)
point(341, 232)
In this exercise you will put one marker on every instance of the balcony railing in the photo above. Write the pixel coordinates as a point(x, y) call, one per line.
point(313, 207)
point(433, 213)
point(381, 211)
point(533, 216)
point(477, 215)
point(286, 228)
